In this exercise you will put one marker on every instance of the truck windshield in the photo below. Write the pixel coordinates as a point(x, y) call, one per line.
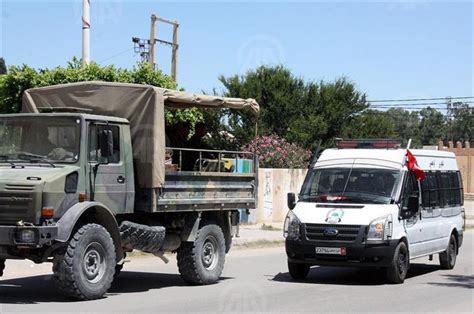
point(36, 139)
point(349, 185)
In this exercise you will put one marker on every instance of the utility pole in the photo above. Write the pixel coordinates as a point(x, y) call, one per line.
point(174, 55)
point(86, 27)
point(147, 49)
point(152, 42)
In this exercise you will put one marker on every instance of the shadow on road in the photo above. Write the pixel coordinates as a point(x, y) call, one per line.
point(353, 276)
point(456, 281)
point(41, 289)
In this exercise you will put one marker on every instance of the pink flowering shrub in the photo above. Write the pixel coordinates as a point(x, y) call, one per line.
point(276, 152)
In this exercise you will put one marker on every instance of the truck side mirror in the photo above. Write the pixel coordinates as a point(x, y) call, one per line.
point(412, 207)
point(291, 200)
point(106, 143)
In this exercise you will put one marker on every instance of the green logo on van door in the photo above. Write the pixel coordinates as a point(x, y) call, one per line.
point(334, 216)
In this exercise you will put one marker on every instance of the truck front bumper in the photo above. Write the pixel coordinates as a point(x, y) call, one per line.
point(29, 236)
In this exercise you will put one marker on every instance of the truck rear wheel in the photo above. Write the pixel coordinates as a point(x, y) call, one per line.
point(2, 266)
point(398, 269)
point(86, 269)
point(447, 259)
point(298, 271)
point(201, 262)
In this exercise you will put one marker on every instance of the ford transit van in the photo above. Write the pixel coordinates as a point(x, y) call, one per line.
point(376, 207)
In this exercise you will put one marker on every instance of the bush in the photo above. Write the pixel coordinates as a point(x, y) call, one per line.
point(275, 152)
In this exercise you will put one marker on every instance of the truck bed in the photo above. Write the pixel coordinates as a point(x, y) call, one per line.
point(200, 191)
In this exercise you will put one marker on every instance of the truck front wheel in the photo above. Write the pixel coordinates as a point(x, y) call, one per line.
point(2, 266)
point(201, 262)
point(298, 271)
point(86, 269)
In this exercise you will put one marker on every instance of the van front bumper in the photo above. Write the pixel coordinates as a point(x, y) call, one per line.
point(355, 254)
point(349, 239)
point(29, 236)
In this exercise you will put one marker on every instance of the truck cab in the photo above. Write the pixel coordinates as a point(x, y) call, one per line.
point(363, 207)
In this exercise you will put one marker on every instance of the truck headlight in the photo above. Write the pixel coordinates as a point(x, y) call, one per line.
point(291, 228)
point(380, 229)
point(25, 236)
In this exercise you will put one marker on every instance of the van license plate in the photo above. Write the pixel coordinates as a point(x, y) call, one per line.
point(331, 250)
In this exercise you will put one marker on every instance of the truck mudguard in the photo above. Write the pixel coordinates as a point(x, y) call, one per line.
point(94, 212)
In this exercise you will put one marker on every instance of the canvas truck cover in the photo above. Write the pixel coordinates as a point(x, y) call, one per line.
point(142, 105)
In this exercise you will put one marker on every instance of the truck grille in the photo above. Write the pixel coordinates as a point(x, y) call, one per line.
point(15, 206)
point(346, 233)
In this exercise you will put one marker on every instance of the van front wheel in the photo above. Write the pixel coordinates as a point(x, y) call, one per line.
point(398, 269)
point(298, 271)
point(447, 259)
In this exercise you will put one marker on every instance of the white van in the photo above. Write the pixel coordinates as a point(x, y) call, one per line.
point(363, 207)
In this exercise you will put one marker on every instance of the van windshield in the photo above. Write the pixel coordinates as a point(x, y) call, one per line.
point(349, 185)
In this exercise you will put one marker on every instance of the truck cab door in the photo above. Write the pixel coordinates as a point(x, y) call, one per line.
point(107, 175)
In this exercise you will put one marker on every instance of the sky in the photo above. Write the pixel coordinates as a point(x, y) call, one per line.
point(397, 49)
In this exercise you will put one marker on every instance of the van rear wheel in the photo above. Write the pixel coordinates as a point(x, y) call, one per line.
point(298, 271)
point(397, 271)
point(447, 259)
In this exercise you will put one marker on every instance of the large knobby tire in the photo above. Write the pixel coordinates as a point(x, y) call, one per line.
point(298, 271)
point(201, 262)
point(2, 266)
point(447, 259)
point(397, 271)
point(86, 269)
point(142, 237)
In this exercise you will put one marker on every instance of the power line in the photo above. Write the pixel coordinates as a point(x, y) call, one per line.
point(420, 99)
point(116, 55)
point(418, 104)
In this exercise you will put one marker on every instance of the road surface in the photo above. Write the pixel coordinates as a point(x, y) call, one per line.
point(254, 280)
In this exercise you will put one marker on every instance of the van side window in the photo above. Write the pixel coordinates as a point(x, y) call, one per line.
point(410, 188)
point(442, 189)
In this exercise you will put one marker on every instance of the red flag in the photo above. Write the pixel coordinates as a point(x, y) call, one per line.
point(412, 165)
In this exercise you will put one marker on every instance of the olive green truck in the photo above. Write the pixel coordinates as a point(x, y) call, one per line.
point(86, 176)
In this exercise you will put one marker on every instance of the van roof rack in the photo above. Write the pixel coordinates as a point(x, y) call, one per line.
point(368, 143)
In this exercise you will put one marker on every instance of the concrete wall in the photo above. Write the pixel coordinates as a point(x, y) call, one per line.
point(274, 184)
point(465, 160)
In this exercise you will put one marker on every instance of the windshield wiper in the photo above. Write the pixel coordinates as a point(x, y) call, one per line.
point(34, 158)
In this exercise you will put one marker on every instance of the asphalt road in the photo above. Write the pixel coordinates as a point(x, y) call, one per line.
point(254, 280)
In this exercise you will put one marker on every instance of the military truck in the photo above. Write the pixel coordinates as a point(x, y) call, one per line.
point(83, 181)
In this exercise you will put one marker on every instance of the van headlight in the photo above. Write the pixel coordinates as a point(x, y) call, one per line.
point(380, 229)
point(291, 228)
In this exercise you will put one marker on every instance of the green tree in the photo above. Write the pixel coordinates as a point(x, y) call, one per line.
point(370, 124)
point(460, 124)
point(406, 125)
point(301, 112)
point(432, 126)
point(3, 66)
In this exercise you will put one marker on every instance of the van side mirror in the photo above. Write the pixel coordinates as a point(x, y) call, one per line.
point(291, 200)
point(412, 207)
point(106, 143)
